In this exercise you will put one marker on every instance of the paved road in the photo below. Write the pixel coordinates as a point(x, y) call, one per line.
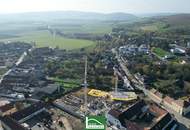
point(125, 79)
point(21, 58)
point(124, 68)
point(2, 77)
point(17, 63)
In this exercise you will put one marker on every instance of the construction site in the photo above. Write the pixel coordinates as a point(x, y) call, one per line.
point(98, 102)
point(73, 107)
point(88, 101)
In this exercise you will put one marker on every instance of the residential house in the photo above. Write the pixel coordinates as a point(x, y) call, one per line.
point(133, 48)
point(122, 119)
point(116, 120)
point(180, 106)
point(142, 116)
point(183, 106)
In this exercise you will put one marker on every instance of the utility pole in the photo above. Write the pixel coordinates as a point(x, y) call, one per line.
point(116, 81)
point(85, 85)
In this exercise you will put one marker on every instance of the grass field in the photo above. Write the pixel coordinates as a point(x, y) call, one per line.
point(67, 84)
point(149, 28)
point(160, 52)
point(157, 26)
point(44, 38)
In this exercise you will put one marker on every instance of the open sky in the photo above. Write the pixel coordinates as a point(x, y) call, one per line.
point(106, 6)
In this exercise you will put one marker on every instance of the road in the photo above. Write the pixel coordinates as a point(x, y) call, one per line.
point(183, 120)
point(21, 58)
point(125, 79)
point(124, 68)
point(2, 77)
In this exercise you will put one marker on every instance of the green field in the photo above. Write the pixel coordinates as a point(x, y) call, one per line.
point(44, 38)
point(160, 52)
point(149, 28)
point(156, 26)
point(67, 84)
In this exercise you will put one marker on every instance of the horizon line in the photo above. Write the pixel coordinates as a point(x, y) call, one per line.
point(99, 12)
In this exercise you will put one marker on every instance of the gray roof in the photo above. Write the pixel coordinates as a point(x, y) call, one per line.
point(49, 89)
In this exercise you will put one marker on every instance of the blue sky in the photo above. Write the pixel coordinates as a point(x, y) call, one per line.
point(106, 6)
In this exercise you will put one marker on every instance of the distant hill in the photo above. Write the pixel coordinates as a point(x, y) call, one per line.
point(175, 23)
point(120, 16)
point(71, 15)
point(171, 23)
point(154, 14)
point(177, 20)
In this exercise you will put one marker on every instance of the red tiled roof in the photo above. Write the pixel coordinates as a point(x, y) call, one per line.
point(157, 110)
point(168, 99)
point(132, 126)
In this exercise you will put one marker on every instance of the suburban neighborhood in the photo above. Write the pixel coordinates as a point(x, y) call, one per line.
point(94, 65)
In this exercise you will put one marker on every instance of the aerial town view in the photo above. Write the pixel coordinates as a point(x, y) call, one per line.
point(94, 65)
